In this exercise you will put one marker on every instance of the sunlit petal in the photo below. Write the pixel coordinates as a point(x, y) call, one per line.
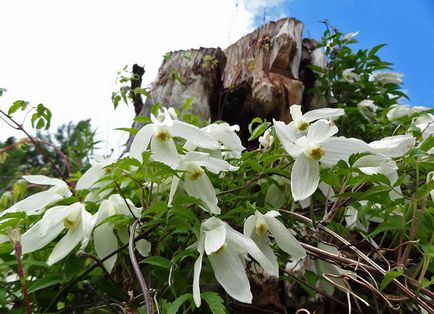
point(320, 131)
point(194, 134)
point(304, 177)
point(141, 141)
point(323, 113)
point(165, 152)
point(341, 148)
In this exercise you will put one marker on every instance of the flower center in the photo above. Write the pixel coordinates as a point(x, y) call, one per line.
point(72, 220)
point(221, 249)
point(261, 226)
point(194, 171)
point(162, 134)
point(302, 125)
point(315, 152)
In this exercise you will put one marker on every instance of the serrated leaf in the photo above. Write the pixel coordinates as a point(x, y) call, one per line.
point(175, 305)
point(215, 302)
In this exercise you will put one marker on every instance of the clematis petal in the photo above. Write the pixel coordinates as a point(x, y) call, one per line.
point(196, 280)
point(296, 113)
point(35, 239)
point(262, 243)
point(214, 239)
point(216, 165)
point(225, 134)
point(284, 239)
point(323, 113)
point(43, 180)
point(203, 189)
point(105, 243)
point(341, 148)
point(287, 138)
point(92, 175)
point(66, 245)
point(304, 177)
point(165, 152)
point(394, 146)
point(173, 188)
point(249, 226)
point(33, 204)
point(230, 273)
point(320, 131)
point(141, 141)
point(192, 133)
point(248, 245)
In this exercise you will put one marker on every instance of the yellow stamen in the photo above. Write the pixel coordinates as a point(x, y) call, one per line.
point(315, 152)
point(162, 134)
point(261, 226)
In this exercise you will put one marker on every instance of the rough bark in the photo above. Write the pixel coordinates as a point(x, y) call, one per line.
point(262, 74)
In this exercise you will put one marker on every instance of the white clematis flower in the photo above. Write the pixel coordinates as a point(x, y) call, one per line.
point(266, 139)
point(104, 237)
point(227, 252)
point(425, 123)
point(317, 146)
point(196, 182)
point(74, 218)
point(301, 122)
point(258, 226)
point(159, 135)
point(398, 111)
point(388, 77)
point(348, 36)
point(349, 76)
point(35, 203)
point(225, 134)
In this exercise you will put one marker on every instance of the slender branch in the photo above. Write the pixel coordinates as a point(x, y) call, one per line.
point(95, 265)
point(423, 303)
point(87, 285)
point(101, 265)
point(38, 147)
point(137, 271)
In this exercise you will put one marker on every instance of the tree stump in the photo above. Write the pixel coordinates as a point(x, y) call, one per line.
point(262, 74)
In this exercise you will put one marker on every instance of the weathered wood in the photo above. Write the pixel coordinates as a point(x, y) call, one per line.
point(262, 74)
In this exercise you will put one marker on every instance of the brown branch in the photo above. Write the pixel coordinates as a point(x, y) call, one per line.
point(137, 271)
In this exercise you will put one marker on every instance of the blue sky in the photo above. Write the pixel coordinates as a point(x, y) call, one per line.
point(406, 26)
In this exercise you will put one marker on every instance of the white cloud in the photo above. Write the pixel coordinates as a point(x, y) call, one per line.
point(65, 54)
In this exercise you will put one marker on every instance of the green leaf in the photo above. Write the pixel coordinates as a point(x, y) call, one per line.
point(259, 130)
point(130, 130)
point(390, 275)
point(157, 261)
point(45, 282)
point(255, 120)
point(19, 104)
point(215, 302)
point(374, 50)
point(175, 305)
point(187, 103)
